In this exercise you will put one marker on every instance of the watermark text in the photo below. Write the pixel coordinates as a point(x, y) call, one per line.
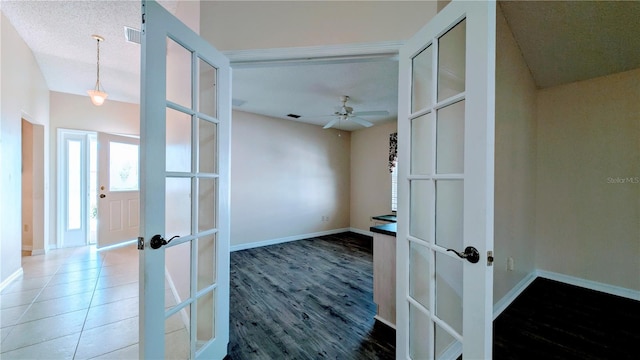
point(623, 180)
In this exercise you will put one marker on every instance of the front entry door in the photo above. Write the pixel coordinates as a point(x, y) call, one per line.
point(185, 167)
point(445, 211)
point(118, 189)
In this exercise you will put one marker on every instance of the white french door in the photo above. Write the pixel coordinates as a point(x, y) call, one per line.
point(185, 167)
point(118, 189)
point(445, 212)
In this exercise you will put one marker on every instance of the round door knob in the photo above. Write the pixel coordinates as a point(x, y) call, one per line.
point(102, 196)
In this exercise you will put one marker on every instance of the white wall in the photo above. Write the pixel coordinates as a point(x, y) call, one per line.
point(515, 163)
point(78, 113)
point(235, 25)
point(588, 180)
point(370, 177)
point(24, 94)
point(285, 176)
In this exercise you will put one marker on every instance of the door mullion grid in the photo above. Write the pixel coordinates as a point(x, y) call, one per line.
point(432, 267)
point(450, 101)
point(432, 211)
point(195, 205)
point(180, 108)
point(179, 307)
point(216, 291)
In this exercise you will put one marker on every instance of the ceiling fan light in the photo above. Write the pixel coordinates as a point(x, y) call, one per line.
point(97, 97)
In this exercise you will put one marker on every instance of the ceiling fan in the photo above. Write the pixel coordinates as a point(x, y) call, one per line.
point(346, 113)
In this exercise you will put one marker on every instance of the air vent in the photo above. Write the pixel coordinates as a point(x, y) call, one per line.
point(293, 116)
point(132, 35)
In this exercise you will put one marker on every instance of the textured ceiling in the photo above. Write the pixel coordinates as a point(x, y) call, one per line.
point(313, 90)
point(59, 34)
point(561, 42)
point(567, 41)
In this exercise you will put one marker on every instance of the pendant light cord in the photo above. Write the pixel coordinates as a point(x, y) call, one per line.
point(98, 68)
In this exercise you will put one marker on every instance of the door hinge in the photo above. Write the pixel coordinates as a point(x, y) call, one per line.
point(489, 258)
point(140, 243)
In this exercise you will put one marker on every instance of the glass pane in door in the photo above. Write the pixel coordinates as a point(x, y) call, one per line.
point(422, 80)
point(447, 347)
point(448, 290)
point(207, 191)
point(176, 339)
point(205, 331)
point(451, 61)
point(207, 146)
point(178, 148)
point(421, 146)
point(207, 95)
point(74, 188)
point(420, 331)
point(178, 272)
point(178, 74)
point(419, 273)
point(449, 213)
point(450, 139)
point(178, 205)
point(420, 218)
point(206, 261)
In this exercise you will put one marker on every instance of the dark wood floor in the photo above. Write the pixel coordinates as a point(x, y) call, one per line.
point(308, 299)
point(553, 320)
point(312, 299)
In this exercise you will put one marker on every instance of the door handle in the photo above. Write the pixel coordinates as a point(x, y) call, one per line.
point(158, 241)
point(102, 196)
point(470, 253)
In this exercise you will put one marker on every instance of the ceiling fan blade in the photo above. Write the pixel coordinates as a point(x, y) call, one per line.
point(331, 123)
point(370, 113)
point(361, 121)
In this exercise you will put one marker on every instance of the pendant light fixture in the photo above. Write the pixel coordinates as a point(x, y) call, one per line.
point(97, 95)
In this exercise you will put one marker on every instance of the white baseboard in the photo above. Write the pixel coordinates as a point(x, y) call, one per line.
point(11, 278)
point(361, 232)
point(285, 239)
point(33, 252)
point(386, 322)
point(508, 298)
point(589, 284)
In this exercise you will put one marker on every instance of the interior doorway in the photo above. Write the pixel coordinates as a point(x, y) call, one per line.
point(33, 207)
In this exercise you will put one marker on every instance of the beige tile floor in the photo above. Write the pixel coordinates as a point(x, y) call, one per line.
point(76, 303)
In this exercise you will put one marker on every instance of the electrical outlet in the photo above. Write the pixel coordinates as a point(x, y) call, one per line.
point(510, 264)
